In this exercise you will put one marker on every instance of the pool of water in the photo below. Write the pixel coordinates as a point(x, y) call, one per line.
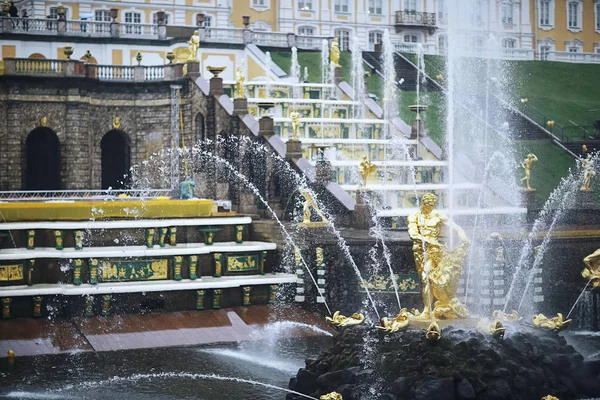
point(162, 373)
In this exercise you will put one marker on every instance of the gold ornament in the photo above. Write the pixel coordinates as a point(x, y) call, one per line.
point(366, 168)
point(500, 315)
point(588, 172)
point(433, 332)
point(439, 268)
point(117, 122)
point(331, 396)
point(557, 323)
point(240, 89)
point(549, 397)
point(401, 321)
point(527, 164)
point(339, 320)
point(193, 46)
point(310, 203)
point(334, 53)
point(319, 252)
point(295, 116)
point(44, 121)
point(591, 272)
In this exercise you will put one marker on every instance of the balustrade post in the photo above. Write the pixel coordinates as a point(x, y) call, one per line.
point(139, 73)
point(61, 25)
point(115, 29)
point(248, 36)
point(6, 25)
point(291, 39)
point(10, 66)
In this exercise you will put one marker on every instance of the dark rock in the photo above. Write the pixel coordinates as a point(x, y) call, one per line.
point(331, 380)
point(498, 390)
point(346, 391)
point(400, 387)
point(389, 396)
point(306, 382)
point(439, 389)
point(350, 375)
point(464, 390)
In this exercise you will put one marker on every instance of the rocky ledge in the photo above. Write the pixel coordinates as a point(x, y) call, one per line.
point(462, 365)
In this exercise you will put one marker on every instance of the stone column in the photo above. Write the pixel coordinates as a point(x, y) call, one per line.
point(293, 149)
point(266, 127)
point(216, 84)
point(139, 73)
point(240, 106)
point(362, 210)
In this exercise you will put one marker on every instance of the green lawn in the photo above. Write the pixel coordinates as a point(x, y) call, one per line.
point(553, 164)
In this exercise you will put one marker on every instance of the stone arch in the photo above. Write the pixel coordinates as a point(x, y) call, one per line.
point(116, 159)
point(37, 56)
point(42, 168)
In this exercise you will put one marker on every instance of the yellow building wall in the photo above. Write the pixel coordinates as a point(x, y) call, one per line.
point(254, 70)
point(560, 34)
point(117, 57)
point(9, 52)
point(243, 8)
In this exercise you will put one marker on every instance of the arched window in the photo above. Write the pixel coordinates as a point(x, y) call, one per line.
point(375, 38)
point(42, 171)
point(116, 159)
point(343, 37)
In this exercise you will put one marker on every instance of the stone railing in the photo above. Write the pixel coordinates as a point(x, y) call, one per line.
point(567, 56)
point(136, 30)
point(414, 18)
point(227, 35)
point(88, 28)
point(403, 47)
point(75, 68)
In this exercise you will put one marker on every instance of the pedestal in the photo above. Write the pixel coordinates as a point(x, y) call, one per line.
point(586, 199)
point(528, 198)
point(417, 126)
point(216, 84)
point(338, 75)
point(293, 149)
point(362, 210)
point(247, 204)
point(240, 106)
point(266, 127)
point(193, 70)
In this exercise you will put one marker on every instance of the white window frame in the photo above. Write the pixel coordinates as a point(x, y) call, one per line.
point(130, 27)
point(305, 5)
point(260, 5)
point(511, 42)
point(341, 6)
point(304, 28)
point(410, 5)
point(104, 14)
point(168, 18)
point(477, 13)
point(508, 12)
point(374, 35)
point(442, 43)
point(597, 48)
point(410, 36)
point(546, 23)
point(261, 26)
point(574, 46)
point(442, 12)
point(53, 12)
point(597, 16)
point(344, 41)
point(545, 47)
point(574, 18)
point(208, 20)
point(375, 7)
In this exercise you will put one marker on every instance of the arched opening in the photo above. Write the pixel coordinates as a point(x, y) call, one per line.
point(116, 159)
point(36, 56)
point(43, 160)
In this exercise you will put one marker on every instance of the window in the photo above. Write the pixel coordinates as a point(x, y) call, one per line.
point(341, 6)
point(374, 38)
point(343, 37)
point(410, 5)
point(132, 18)
point(207, 21)
point(477, 41)
point(258, 3)
point(155, 18)
point(305, 5)
point(509, 43)
point(411, 39)
point(545, 12)
point(441, 10)
point(53, 12)
point(375, 7)
point(442, 44)
point(597, 8)
point(306, 31)
point(573, 49)
point(477, 13)
point(544, 52)
point(573, 20)
point(102, 16)
point(507, 13)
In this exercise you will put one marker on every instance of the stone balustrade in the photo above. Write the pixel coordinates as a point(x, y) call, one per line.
point(76, 68)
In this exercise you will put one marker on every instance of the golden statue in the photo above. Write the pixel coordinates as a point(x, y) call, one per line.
point(433, 332)
point(591, 272)
point(339, 320)
point(557, 323)
point(588, 172)
point(331, 396)
point(117, 123)
point(44, 121)
point(193, 46)
point(439, 268)
point(295, 116)
point(297, 256)
point(240, 89)
point(334, 53)
point(401, 321)
point(527, 164)
point(549, 397)
point(366, 168)
point(513, 316)
point(309, 204)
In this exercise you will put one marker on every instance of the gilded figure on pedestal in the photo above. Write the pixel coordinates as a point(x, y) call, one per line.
point(193, 46)
point(588, 172)
point(334, 53)
point(240, 89)
point(527, 164)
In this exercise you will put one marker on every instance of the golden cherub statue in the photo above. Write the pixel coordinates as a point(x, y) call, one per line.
point(331, 396)
point(240, 89)
point(549, 397)
point(557, 323)
point(319, 252)
point(439, 268)
point(297, 256)
point(501, 315)
point(527, 164)
point(44, 121)
point(193, 46)
point(588, 172)
point(117, 122)
point(334, 53)
point(391, 325)
point(295, 116)
point(339, 320)
point(433, 332)
point(311, 204)
point(591, 272)
point(366, 168)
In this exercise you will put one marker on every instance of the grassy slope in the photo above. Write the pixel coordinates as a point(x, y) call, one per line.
point(554, 162)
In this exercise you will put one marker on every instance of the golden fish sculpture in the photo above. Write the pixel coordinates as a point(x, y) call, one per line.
point(391, 325)
point(497, 330)
point(513, 316)
point(557, 323)
point(331, 396)
point(339, 320)
point(433, 332)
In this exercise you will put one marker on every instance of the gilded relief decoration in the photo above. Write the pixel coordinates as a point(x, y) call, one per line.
point(242, 263)
point(407, 283)
point(11, 273)
point(126, 270)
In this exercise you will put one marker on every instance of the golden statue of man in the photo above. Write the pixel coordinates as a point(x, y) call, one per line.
point(588, 173)
point(334, 53)
point(527, 164)
point(194, 45)
point(295, 116)
point(240, 89)
point(439, 268)
point(365, 168)
point(591, 271)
